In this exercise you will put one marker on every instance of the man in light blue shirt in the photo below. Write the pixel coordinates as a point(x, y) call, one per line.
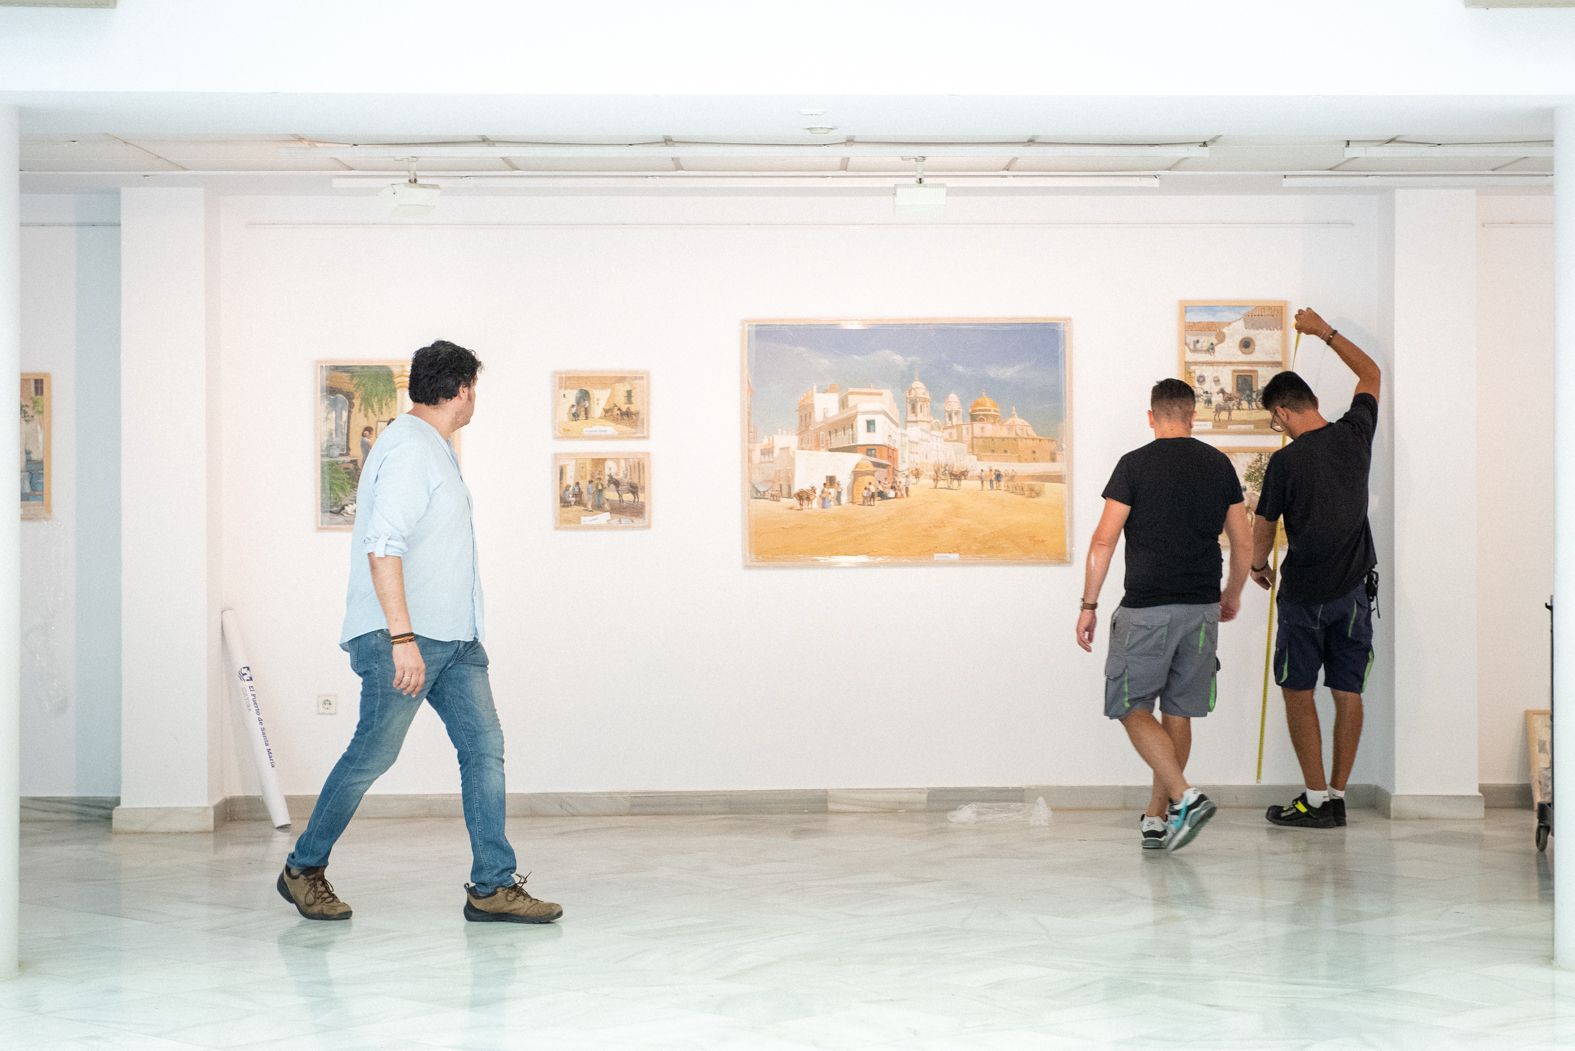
point(413, 628)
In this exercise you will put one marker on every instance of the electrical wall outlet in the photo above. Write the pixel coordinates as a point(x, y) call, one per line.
point(328, 704)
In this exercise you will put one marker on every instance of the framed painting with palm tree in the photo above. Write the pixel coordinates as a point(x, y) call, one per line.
point(356, 400)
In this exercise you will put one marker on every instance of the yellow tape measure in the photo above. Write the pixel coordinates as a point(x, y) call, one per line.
point(1274, 588)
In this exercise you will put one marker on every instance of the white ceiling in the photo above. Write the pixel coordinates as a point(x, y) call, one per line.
point(96, 160)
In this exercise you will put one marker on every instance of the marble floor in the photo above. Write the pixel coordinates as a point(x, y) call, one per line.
point(816, 931)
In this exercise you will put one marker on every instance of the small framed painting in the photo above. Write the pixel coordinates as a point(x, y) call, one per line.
point(1229, 349)
point(602, 492)
point(38, 452)
point(1250, 463)
point(356, 401)
point(601, 405)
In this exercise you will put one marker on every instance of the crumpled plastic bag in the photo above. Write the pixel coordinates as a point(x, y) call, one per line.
point(1038, 815)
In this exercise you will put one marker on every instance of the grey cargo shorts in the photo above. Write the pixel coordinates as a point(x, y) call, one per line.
point(1163, 653)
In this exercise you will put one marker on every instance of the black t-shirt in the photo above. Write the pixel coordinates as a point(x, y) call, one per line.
point(1179, 490)
point(1319, 484)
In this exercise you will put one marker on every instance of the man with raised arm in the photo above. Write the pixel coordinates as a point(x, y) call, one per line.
point(1318, 485)
point(413, 628)
point(1172, 498)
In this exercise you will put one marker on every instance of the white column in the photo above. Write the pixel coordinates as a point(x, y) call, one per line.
point(1564, 531)
point(1431, 585)
point(10, 546)
point(169, 656)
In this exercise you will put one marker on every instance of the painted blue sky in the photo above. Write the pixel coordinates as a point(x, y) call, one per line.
point(1228, 313)
point(1017, 363)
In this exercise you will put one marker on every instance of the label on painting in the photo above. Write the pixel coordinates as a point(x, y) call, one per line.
point(601, 519)
point(599, 430)
point(947, 558)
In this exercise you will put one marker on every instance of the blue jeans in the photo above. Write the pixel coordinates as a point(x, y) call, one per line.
point(459, 691)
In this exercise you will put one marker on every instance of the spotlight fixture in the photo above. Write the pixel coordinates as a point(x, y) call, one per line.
point(920, 200)
point(411, 197)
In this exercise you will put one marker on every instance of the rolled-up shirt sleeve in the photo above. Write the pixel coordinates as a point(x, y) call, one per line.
point(401, 493)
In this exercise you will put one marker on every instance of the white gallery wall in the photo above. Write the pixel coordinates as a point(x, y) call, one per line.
point(1513, 422)
point(71, 562)
point(655, 660)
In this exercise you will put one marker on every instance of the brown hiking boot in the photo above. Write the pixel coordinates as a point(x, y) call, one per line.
point(311, 894)
point(509, 904)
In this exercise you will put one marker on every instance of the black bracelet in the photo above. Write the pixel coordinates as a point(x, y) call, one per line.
point(1260, 569)
point(1329, 339)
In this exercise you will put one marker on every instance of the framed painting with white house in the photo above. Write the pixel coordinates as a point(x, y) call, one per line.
point(601, 405)
point(38, 451)
point(1228, 351)
point(355, 402)
point(610, 491)
point(906, 442)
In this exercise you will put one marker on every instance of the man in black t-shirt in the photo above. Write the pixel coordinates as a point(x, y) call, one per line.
point(1318, 485)
point(1172, 498)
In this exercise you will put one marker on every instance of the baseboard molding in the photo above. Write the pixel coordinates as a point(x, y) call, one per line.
point(68, 808)
point(1506, 796)
point(1430, 807)
point(783, 801)
point(167, 818)
point(780, 801)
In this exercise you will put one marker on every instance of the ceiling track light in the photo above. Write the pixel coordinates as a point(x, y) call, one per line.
point(1446, 150)
point(919, 200)
point(1387, 180)
point(744, 150)
point(411, 197)
point(707, 182)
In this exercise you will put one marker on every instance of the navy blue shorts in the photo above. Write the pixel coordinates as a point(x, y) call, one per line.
point(1336, 636)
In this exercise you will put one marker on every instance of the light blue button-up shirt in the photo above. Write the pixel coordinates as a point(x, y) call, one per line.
point(412, 503)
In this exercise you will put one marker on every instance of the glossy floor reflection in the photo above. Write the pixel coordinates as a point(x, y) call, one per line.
point(816, 931)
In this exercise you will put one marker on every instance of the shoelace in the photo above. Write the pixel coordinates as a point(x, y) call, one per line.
point(517, 888)
point(318, 890)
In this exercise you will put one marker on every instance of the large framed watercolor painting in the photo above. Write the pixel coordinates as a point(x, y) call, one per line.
point(38, 452)
point(356, 400)
point(906, 442)
point(1229, 349)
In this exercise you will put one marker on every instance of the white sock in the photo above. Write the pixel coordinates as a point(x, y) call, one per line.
point(1336, 793)
point(1316, 797)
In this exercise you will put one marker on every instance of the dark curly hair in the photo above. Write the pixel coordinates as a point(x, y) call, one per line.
point(437, 372)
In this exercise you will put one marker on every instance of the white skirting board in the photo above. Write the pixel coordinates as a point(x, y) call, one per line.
point(780, 801)
point(1429, 807)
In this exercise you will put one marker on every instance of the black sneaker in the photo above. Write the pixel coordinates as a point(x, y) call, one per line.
point(1297, 814)
point(1154, 832)
point(1337, 807)
point(1185, 819)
